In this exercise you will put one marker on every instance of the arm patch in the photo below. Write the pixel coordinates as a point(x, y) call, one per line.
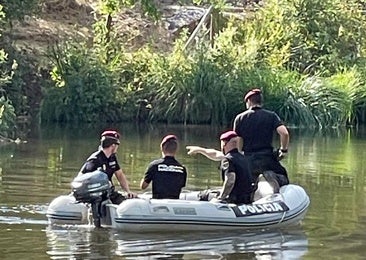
point(225, 164)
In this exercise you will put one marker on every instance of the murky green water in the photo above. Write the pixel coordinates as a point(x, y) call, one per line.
point(330, 166)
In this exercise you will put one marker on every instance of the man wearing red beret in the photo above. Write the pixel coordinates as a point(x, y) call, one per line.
point(255, 127)
point(167, 175)
point(235, 172)
point(105, 160)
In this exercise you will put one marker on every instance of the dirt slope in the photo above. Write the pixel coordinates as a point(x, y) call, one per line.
point(62, 19)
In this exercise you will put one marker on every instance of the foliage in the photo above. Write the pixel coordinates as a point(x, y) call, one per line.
point(7, 114)
point(326, 101)
point(17, 9)
point(94, 85)
point(106, 38)
point(265, 38)
point(112, 7)
point(192, 88)
point(331, 34)
point(310, 36)
point(7, 118)
point(84, 90)
point(306, 55)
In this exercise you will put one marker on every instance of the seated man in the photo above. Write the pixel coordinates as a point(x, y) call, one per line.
point(266, 183)
point(238, 185)
point(167, 175)
point(105, 159)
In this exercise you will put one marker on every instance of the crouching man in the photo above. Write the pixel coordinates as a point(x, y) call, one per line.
point(235, 172)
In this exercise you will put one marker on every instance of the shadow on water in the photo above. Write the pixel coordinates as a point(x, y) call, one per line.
point(86, 242)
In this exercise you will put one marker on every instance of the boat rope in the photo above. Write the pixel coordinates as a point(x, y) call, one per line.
point(283, 216)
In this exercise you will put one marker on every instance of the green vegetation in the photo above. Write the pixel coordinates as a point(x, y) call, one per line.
point(308, 56)
point(7, 114)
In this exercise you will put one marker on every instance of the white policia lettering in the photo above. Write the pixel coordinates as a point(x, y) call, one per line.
point(169, 168)
point(112, 163)
point(261, 208)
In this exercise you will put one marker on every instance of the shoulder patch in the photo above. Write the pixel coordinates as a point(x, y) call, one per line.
point(225, 164)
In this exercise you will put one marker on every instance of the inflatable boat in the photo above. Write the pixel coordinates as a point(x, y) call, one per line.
point(89, 203)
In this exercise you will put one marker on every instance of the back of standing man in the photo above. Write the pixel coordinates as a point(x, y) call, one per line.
point(167, 175)
point(256, 127)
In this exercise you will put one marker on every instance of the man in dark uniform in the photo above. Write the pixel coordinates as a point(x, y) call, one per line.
point(256, 126)
point(105, 160)
point(238, 185)
point(167, 175)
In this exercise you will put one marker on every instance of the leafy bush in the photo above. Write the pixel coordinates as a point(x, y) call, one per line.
point(7, 114)
point(7, 118)
point(326, 101)
point(84, 88)
point(17, 9)
point(306, 55)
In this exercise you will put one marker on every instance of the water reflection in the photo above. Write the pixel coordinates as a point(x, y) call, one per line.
point(86, 242)
point(81, 243)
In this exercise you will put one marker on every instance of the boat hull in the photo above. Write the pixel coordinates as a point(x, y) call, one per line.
point(281, 210)
point(277, 211)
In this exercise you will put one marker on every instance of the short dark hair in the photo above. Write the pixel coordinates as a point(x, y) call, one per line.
point(255, 96)
point(105, 142)
point(109, 137)
point(170, 146)
point(256, 99)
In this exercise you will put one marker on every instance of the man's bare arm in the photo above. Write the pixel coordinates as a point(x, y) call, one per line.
point(284, 136)
point(228, 185)
point(211, 154)
point(143, 184)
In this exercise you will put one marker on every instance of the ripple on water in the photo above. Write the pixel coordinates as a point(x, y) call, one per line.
point(24, 214)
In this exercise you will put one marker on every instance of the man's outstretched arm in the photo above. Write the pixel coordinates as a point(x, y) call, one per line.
point(211, 154)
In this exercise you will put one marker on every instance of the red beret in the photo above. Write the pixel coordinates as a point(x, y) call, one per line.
point(228, 135)
point(251, 93)
point(167, 138)
point(111, 135)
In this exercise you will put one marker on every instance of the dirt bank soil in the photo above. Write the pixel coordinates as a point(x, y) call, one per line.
point(62, 19)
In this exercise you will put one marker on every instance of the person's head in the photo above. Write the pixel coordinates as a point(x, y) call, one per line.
point(169, 145)
point(110, 139)
point(253, 98)
point(229, 141)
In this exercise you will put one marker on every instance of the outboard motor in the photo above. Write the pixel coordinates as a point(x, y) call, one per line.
point(94, 188)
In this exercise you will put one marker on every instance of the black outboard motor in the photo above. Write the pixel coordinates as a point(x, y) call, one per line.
point(94, 188)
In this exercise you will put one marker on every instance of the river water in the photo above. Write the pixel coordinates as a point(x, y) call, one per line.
point(330, 165)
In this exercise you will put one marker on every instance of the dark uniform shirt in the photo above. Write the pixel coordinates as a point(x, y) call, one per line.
point(257, 129)
point(168, 178)
point(99, 161)
point(236, 162)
